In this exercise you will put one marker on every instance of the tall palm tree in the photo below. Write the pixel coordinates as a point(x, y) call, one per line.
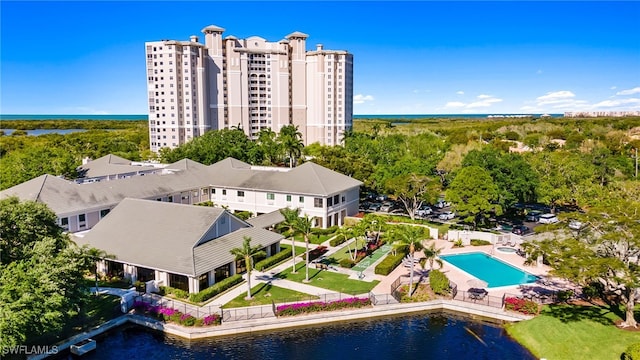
point(247, 252)
point(94, 255)
point(303, 226)
point(346, 233)
point(290, 218)
point(432, 254)
point(290, 139)
point(409, 237)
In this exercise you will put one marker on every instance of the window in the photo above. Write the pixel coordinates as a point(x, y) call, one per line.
point(82, 218)
point(336, 199)
point(288, 198)
point(224, 191)
point(301, 199)
point(64, 222)
point(104, 213)
point(240, 193)
point(329, 202)
point(317, 202)
point(271, 196)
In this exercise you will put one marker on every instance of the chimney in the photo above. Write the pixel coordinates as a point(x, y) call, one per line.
point(319, 47)
point(194, 38)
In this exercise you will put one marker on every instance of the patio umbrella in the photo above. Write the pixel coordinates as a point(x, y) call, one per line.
point(477, 283)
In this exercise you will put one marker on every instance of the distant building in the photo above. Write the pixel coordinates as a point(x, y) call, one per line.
point(601, 113)
point(249, 83)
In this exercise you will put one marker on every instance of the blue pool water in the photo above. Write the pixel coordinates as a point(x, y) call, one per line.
point(495, 272)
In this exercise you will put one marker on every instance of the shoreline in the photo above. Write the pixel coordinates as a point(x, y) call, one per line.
point(454, 307)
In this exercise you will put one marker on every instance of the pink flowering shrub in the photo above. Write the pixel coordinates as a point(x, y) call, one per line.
point(315, 306)
point(173, 315)
point(521, 305)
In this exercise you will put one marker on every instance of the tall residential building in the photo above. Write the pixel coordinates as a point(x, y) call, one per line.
point(249, 83)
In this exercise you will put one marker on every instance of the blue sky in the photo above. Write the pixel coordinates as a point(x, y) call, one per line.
point(417, 57)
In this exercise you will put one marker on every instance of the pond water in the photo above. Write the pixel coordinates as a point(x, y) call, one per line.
point(424, 336)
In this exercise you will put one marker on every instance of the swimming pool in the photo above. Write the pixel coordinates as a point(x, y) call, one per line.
point(495, 272)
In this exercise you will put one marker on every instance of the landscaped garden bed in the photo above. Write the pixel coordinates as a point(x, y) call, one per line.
point(316, 306)
point(524, 306)
point(172, 315)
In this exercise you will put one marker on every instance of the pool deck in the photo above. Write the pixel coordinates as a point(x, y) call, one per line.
point(461, 278)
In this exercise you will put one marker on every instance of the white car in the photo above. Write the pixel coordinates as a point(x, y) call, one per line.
point(424, 210)
point(547, 219)
point(446, 215)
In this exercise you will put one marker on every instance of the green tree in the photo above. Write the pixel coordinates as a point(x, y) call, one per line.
point(268, 146)
point(247, 252)
point(608, 254)
point(412, 190)
point(303, 226)
point(473, 195)
point(431, 254)
point(409, 237)
point(41, 282)
point(290, 218)
point(290, 140)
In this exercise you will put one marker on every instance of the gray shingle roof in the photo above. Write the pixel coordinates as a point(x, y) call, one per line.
point(265, 220)
point(153, 234)
point(110, 165)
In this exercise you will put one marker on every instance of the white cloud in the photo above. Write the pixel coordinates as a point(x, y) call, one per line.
point(613, 87)
point(539, 72)
point(460, 92)
point(484, 96)
point(555, 97)
point(454, 104)
point(361, 99)
point(619, 102)
point(635, 90)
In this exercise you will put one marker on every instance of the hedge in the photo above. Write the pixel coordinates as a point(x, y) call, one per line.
point(478, 242)
point(272, 260)
point(179, 293)
point(389, 263)
point(216, 288)
point(337, 241)
point(347, 263)
point(439, 282)
point(327, 231)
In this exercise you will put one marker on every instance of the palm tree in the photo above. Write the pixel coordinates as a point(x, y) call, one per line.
point(409, 237)
point(247, 252)
point(290, 218)
point(94, 255)
point(346, 233)
point(290, 140)
point(303, 226)
point(432, 254)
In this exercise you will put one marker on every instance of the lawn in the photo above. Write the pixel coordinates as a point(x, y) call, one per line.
point(574, 332)
point(314, 239)
point(344, 252)
point(299, 249)
point(264, 294)
point(330, 280)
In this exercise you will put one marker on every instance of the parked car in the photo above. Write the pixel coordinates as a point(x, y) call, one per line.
point(548, 219)
point(575, 225)
point(375, 207)
point(386, 206)
point(504, 226)
point(442, 204)
point(533, 216)
point(382, 198)
point(447, 215)
point(520, 230)
point(424, 210)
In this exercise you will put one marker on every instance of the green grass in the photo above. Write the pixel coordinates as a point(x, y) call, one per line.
point(299, 249)
point(574, 332)
point(327, 279)
point(98, 310)
point(264, 294)
point(344, 252)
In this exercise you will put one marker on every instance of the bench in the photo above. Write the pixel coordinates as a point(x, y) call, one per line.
point(322, 266)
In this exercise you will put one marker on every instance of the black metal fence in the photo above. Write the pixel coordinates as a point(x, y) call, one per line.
point(185, 308)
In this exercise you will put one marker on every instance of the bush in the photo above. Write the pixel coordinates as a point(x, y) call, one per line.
point(272, 260)
point(140, 286)
point(347, 263)
point(304, 308)
point(564, 295)
point(315, 253)
point(478, 242)
point(632, 352)
point(327, 231)
point(170, 314)
point(521, 305)
point(216, 289)
point(389, 263)
point(592, 290)
point(337, 241)
point(458, 243)
point(439, 282)
point(180, 294)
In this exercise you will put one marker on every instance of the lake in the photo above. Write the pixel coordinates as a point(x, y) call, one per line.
point(424, 336)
